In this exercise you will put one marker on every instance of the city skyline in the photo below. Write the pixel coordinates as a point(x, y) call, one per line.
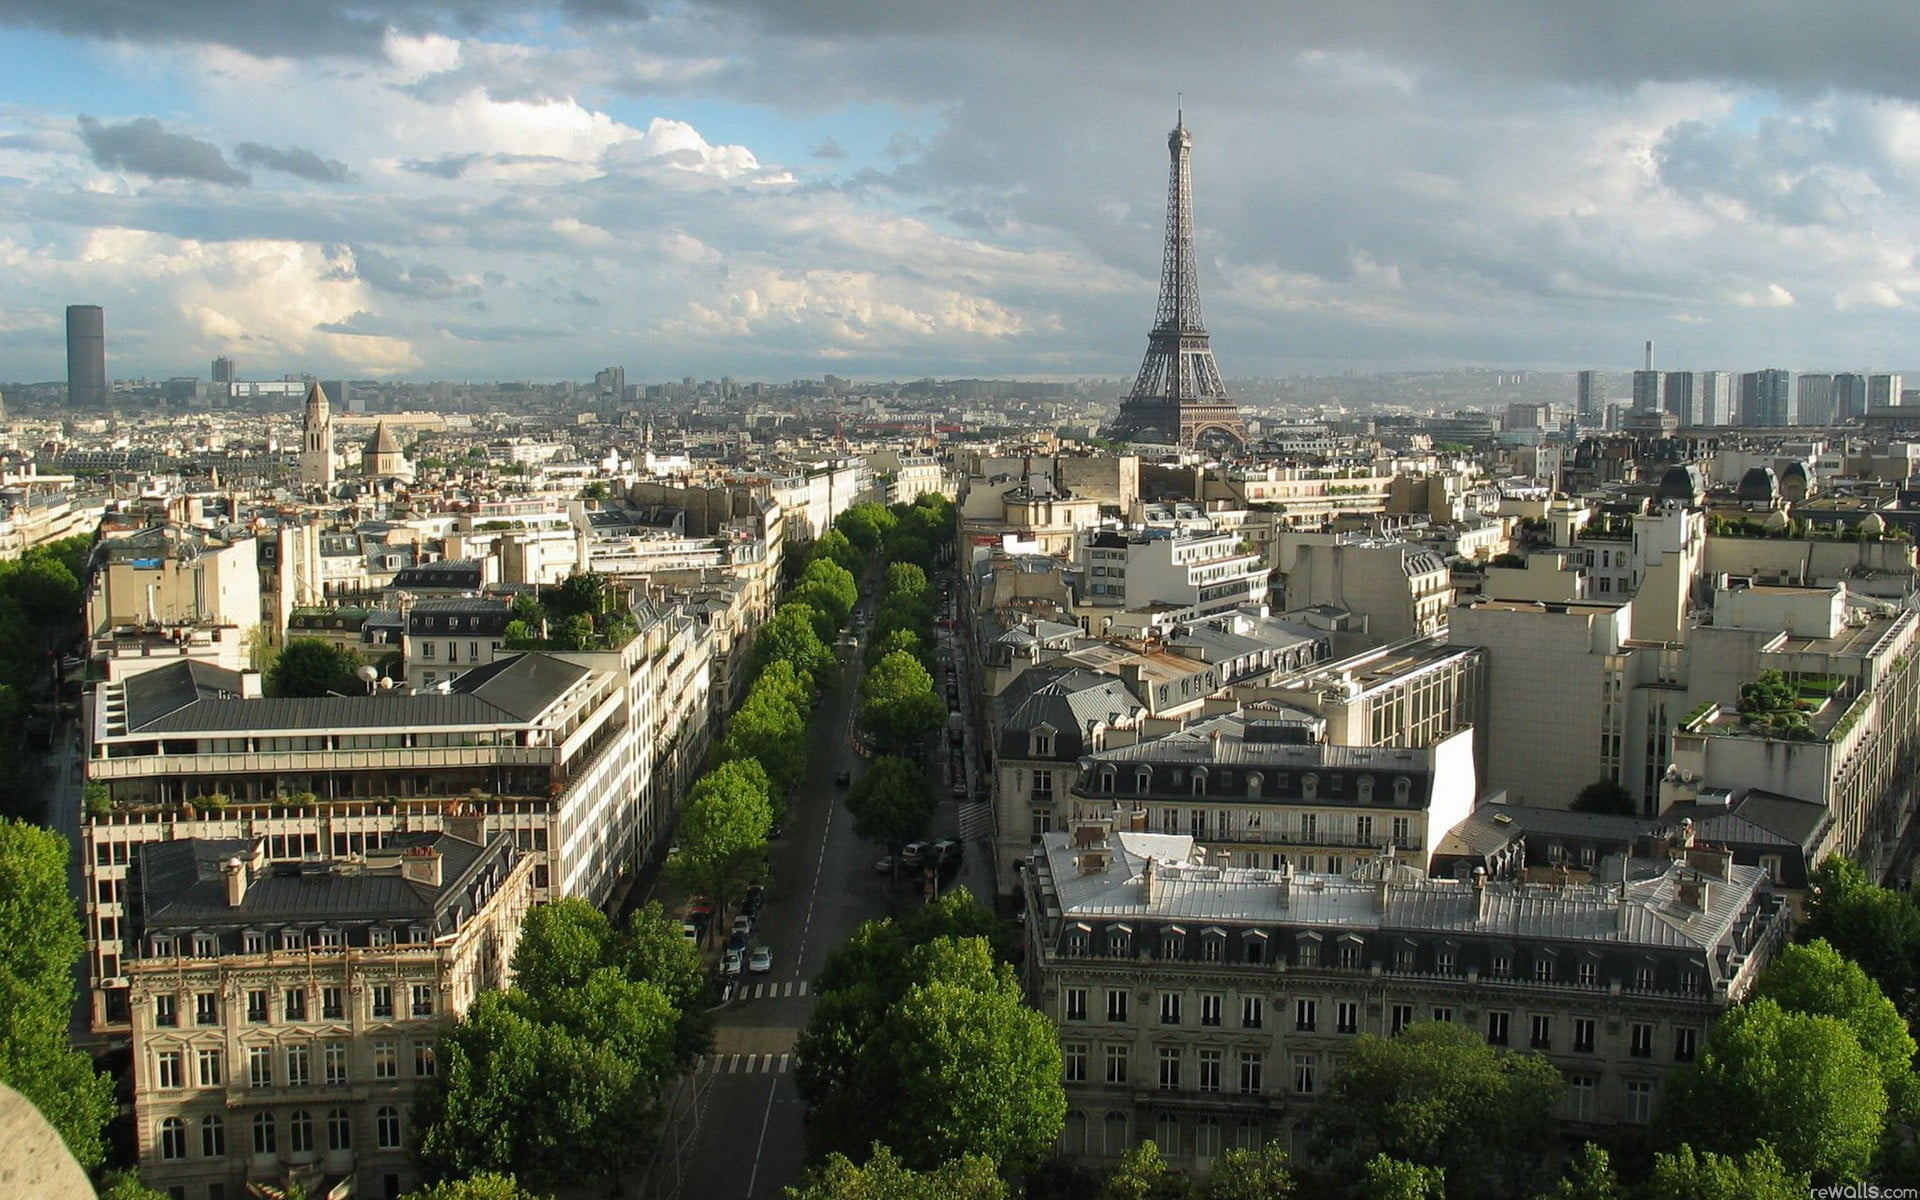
point(739, 189)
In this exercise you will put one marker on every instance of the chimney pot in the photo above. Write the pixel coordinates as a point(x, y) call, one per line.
point(236, 877)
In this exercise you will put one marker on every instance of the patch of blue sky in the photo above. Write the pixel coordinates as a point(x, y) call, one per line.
point(47, 71)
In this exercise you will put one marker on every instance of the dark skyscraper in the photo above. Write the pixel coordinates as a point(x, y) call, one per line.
point(1590, 397)
point(86, 355)
point(1179, 396)
point(223, 370)
point(1767, 399)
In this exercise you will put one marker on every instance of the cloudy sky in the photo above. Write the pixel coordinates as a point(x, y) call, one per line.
point(893, 188)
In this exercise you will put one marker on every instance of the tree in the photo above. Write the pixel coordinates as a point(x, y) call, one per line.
point(652, 949)
point(1799, 1082)
point(561, 945)
point(97, 799)
point(904, 579)
point(790, 637)
point(581, 595)
point(1760, 1175)
point(1260, 1174)
point(311, 667)
point(866, 526)
point(1439, 1096)
point(1388, 1178)
point(484, 1186)
point(40, 940)
point(898, 706)
point(1143, 1173)
point(1589, 1176)
point(1604, 796)
point(836, 547)
point(723, 830)
point(46, 589)
point(1814, 979)
point(765, 730)
point(901, 641)
point(834, 584)
point(891, 804)
point(1874, 926)
point(885, 1177)
point(127, 1185)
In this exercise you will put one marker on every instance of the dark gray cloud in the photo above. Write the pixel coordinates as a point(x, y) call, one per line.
point(418, 281)
point(829, 148)
point(142, 145)
point(453, 166)
point(294, 160)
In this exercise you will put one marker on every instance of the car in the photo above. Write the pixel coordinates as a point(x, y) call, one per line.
point(843, 778)
point(755, 898)
point(883, 865)
point(730, 964)
point(737, 942)
point(761, 961)
point(949, 849)
point(690, 931)
point(960, 789)
point(743, 924)
point(914, 853)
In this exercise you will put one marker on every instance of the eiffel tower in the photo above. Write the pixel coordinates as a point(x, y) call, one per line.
point(1179, 397)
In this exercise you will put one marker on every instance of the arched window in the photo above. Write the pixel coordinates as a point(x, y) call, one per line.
point(1365, 789)
point(1143, 780)
point(1309, 787)
point(386, 1125)
point(1073, 1139)
point(300, 1131)
point(264, 1141)
point(339, 1130)
point(1106, 780)
point(213, 1136)
point(1253, 783)
point(1402, 789)
point(173, 1138)
point(1113, 1137)
point(1199, 781)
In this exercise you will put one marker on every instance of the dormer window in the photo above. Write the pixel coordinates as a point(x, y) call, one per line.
point(1364, 789)
point(1199, 781)
point(1309, 787)
point(293, 939)
point(1402, 790)
point(1253, 783)
point(1040, 742)
point(1119, 941)
point(1143, 780)
point(204, 945)
point(1106, 780)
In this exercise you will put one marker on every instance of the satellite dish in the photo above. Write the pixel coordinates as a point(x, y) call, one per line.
point(367, 674)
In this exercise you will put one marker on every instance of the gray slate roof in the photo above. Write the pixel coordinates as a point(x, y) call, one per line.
point(1064, 698)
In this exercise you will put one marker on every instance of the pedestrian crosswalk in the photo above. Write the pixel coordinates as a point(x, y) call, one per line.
point(976, 821)
point(769, 991)
point(743, 1064)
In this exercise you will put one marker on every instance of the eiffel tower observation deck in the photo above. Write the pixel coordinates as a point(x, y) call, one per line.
point(1178, 397)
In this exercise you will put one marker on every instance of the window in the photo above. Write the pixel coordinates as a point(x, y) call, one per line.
point(206, 1008)
point(1349, 954)
point(1589, 973)
point(1543, 969)
point(1116, 1004)
point(333, 1004)
point(260, 1066)
point(1685, 1044)
point(1210, 1009)
point(1583, 1034)
point(1643, 978)
point(166, 1011)
point(1206, 1138)
point(333, 1058)
point(210, 1072)
point(1169, 1008)
point(1540, 1033)
point(1639, 1101)
point(1497, 1028)
point(300, 1131)
point(1074, 1055)
point(204, 945)
point(1210, 1070)
point(1169, 1068)
point(386, 1126)
point(1502, 966)
point(386, 1060)
point(1252, 1011)
point(296, 1004)
point(167, 1069)
point(1254, 948)
point(1304, 1012)
point(1580, 1097)
point(1403, 832)
point(1116, 1064)
point(1309, 952)
point(382, 1000)
point(213, 1136)
point(1113, 1133)
point(1443, 960)
point(339, 1130)
point(1211, 947)
point(173, 1138)
point(1166, 1133)
point(1402, 1017)
point(1253, 1065)
point(257, 1006)
point(1346, 1016)
point(264, 1141)
point(299, 1065)
point(1443, 1013)
point(1640, 1044)
point(1171, 945)
point(1303, 1074)
point(1075, 1004)
point(253, 942)
point(426, 648)
point(426, 1061)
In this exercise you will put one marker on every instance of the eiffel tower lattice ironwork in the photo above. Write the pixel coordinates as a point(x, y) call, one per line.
point(1179, 396)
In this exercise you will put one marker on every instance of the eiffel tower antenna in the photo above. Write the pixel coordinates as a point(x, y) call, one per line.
point(1179, 395)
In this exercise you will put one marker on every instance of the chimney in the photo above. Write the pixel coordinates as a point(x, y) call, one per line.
point(421, 864)
point(1382, 896)
point(1286, 885)
point(1649, 354)
point(1713, 862)
point(236, 876)
point(1152, 882)
point(1479, 893)
point(1686, 833)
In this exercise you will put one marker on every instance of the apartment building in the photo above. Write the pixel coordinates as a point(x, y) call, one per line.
point(286, 1015)
point(1406, 695)
point(1262, 787)
point(1399, 589)
point(1209, 1006)
point(446, 637)
point(1198, 573)
point(174, 575)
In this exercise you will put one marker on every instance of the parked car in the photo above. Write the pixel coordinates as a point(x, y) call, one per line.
point(948, 850)
point(776, 831)
point(737, 943)
point(914, 854)
point(743, 925)
point(730, 964)
point(755, 898)
point(843, 778)
point(690, 931)
point(960, 789)
point(883, 865)
point(761, 961)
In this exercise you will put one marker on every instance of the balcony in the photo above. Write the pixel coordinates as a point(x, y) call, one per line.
point(294, 762)
point(1326, 839)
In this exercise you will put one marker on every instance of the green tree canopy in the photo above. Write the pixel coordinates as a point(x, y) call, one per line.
point(891, 804)
point(561, 945)
point(581, 595)
point(723, 830)
point(1604, 796)
point(1388, 1178)
point(1874, 926)
point(1799, 1082)
point(905, 579)
point(1439, 1096)
point(484, 1186)
point(835, 583)
point(48, 591)
point(790, 637)
point(1261, 1174)
point(885, 1177)
point(311, 667)
point(40, 941)
point(1759, 1175)
point(1143, 1173)
point(837, 547)
point(1589, 1176)
point(652, 949)
point(767, 730)
point(127, 1185)
point(1815, 979)
point(898, 705)
point(866, 526)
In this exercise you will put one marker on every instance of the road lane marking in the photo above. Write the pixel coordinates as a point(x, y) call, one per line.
point(760, 1149)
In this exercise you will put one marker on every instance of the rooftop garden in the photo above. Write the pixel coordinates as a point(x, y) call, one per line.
point(1775, 706)
point(1797, 530)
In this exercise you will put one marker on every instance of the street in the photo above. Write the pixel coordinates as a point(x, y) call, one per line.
point(735, 1128)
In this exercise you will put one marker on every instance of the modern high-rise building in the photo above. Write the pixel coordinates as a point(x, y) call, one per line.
point(1179, 395)
point(1646, 385)
point(1680, 395)
point(86, 354)
point(1716, 398)
point(1814, 394)
point(1590, 397)
point(1883, 391)
point(1767, 399)
point(222, 370)
point(1849, 396)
